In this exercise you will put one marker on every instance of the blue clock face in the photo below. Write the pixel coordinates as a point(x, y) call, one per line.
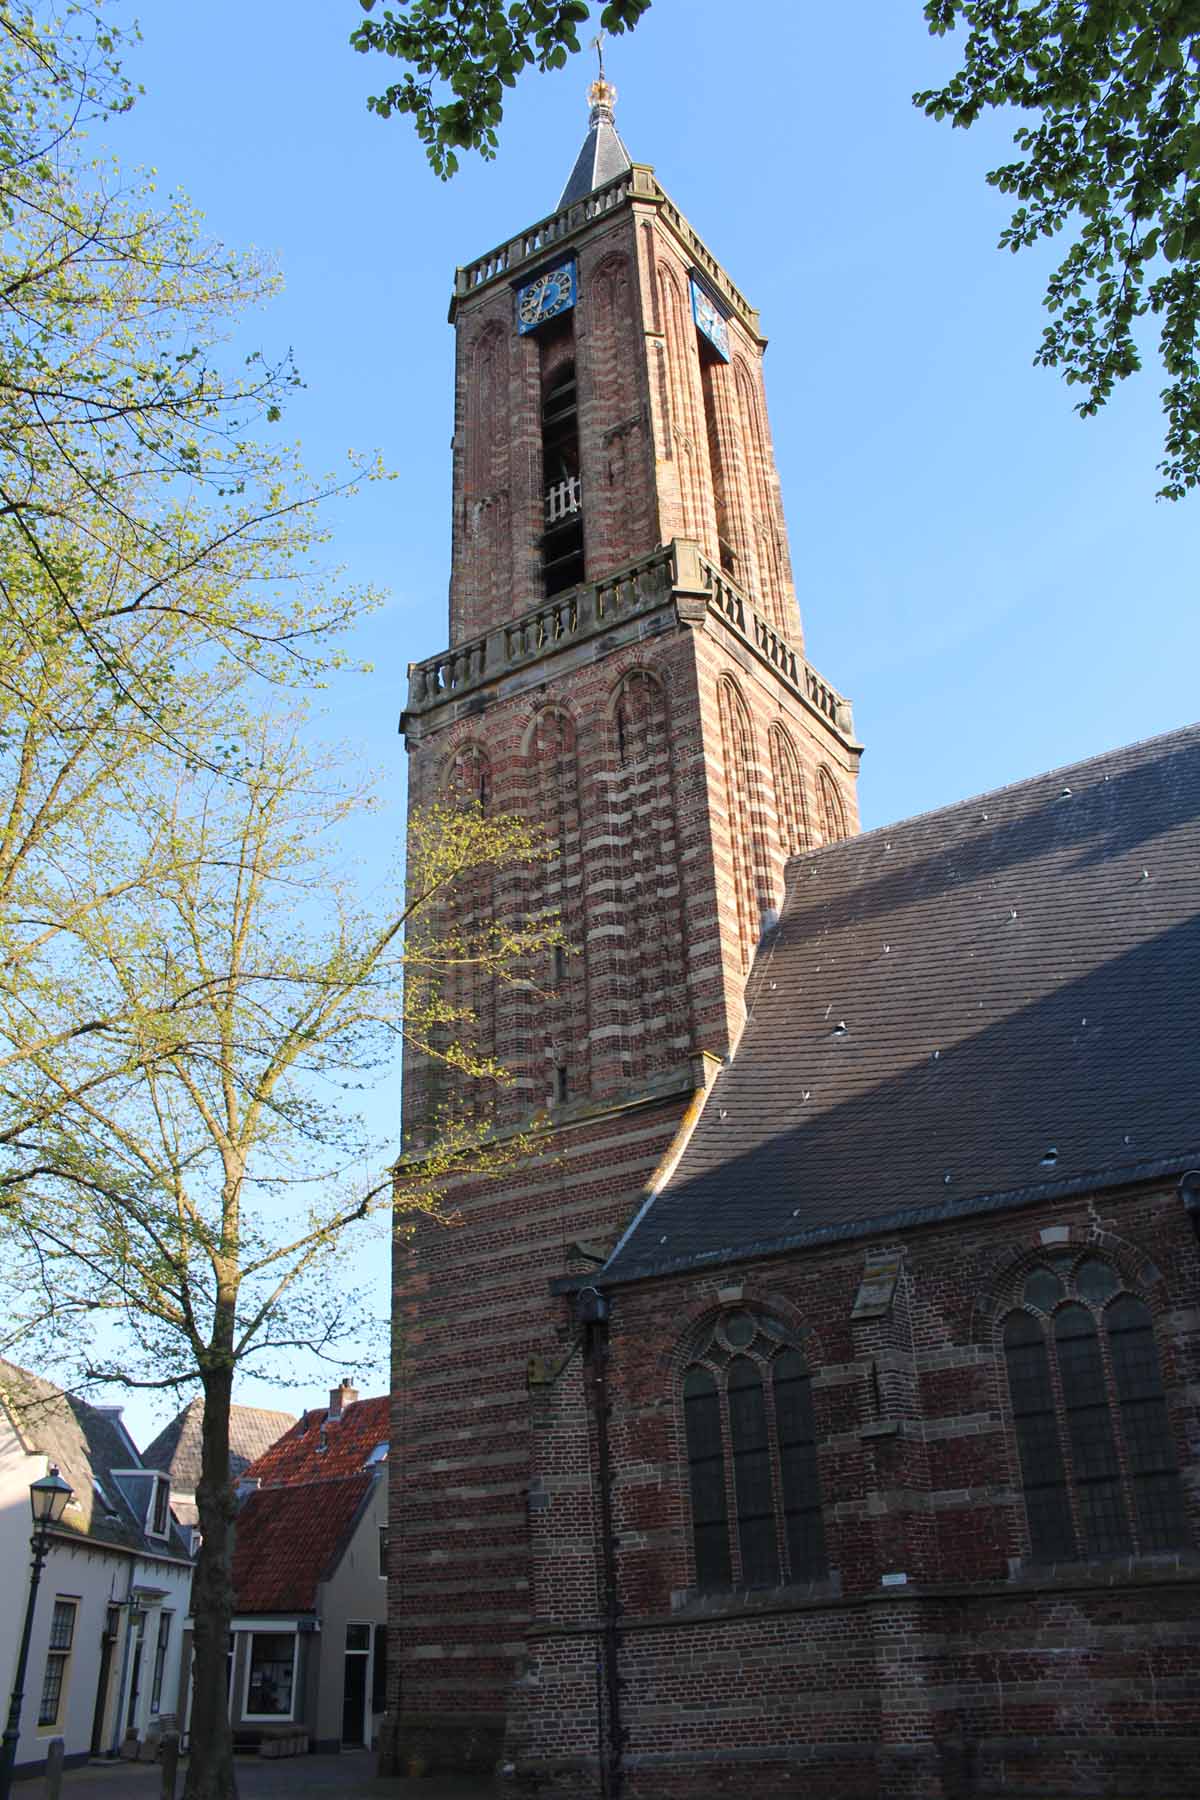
point(545, 297)
point(710, 320)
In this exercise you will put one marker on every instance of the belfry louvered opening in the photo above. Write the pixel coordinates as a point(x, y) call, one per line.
point(562, 525)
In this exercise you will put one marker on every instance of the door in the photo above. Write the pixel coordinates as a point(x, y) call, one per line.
point(354, 1685)
point(108, 1639)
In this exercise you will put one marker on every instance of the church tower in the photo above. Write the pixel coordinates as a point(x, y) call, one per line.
point(626, 666)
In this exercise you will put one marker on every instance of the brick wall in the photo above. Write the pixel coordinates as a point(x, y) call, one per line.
point(983, 1673)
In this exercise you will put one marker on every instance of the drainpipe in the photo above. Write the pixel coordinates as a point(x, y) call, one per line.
point(591, 1308)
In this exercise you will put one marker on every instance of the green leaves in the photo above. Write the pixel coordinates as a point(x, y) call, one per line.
point(473, 49)
point(1112, 157)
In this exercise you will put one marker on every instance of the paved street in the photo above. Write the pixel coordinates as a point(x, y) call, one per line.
point(350, 1777)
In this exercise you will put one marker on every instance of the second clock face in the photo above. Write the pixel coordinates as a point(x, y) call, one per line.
point(710, 320)
point(545, 297)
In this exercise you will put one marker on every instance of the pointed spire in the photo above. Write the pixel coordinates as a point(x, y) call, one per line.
point(603, 156)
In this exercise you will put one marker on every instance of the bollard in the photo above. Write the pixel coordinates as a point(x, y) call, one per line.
point(169, 1751)
point(55, 1752)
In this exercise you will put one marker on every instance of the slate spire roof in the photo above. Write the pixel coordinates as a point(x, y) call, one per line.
point(983, 1006)
point(177, 1448)
point(603, 156)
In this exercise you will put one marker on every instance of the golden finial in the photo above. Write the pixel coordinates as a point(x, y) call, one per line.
point(602, 95)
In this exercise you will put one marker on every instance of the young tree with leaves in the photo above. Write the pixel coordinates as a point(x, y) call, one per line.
point(141, 475)
point(1111, 158)
point(157, 538)
point(200, 1196)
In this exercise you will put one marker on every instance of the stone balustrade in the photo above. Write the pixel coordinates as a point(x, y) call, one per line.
point(732, 605)
point(636, 183)
point(672, 573)
point(542, 236)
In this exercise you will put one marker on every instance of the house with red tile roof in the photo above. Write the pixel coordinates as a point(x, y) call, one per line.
point(308, 1654)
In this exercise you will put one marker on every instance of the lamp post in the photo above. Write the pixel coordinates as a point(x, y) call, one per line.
point(47, 1499)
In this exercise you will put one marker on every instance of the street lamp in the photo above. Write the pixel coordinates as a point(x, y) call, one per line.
point(47, 1499)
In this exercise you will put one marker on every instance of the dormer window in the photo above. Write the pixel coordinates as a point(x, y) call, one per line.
point(102, 1495)
point(160, 1508)
point(378, 1455)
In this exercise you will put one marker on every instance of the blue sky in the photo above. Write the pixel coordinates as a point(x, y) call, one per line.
point(988, 578)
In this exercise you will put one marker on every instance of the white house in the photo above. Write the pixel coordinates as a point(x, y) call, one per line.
point(104, 1659)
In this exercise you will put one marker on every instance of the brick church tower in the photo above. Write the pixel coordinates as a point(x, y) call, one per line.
point(626, 666)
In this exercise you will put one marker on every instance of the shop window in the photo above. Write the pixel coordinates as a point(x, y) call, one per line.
point(1098, 1466)
point(752, 1462)
point(271, 1675)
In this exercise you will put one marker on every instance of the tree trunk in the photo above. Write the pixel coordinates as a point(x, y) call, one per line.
point(210, 1773)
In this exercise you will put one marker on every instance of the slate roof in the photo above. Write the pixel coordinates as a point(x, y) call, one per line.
point(176, 1449)
point(973, 1008)
point(87, 1443)
point(315, 1481)
point(603, 156)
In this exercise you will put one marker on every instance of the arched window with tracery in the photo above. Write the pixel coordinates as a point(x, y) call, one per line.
point(1098, 1465)
point(750, 1433)
point(831, 808)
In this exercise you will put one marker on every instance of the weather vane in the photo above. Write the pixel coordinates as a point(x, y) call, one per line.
point(602, 95)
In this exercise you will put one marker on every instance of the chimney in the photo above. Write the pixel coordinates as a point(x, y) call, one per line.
point(339, 1399)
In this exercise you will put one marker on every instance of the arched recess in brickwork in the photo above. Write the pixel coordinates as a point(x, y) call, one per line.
point(791, 804)
point(550, 1046)
point(617, 525)
point(469, 992)
point(487, 488)
point(831, 808)
point(1096, 1454)
point(690, 435)
point(767, 526)
point(752, 885)
point(653, 1004)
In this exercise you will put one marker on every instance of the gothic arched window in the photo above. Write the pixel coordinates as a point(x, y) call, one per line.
point(1097, 1459)
point(752, 1459)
